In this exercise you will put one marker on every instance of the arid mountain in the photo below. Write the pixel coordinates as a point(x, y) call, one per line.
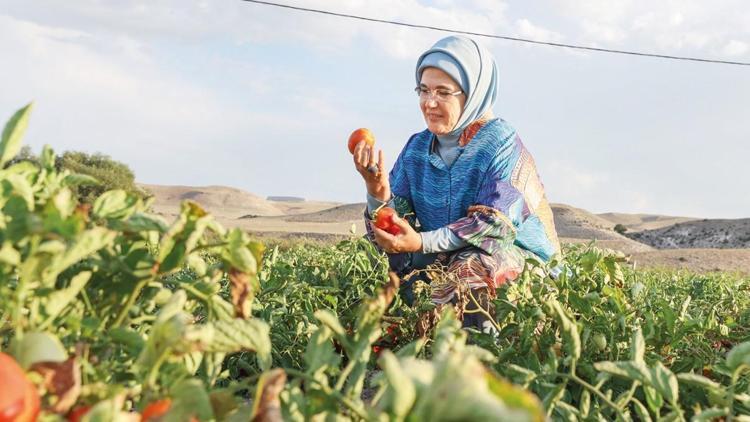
point(640, 222)
point(321, 220)
point(721, 234)
point(576, 225)
point(225, 201)
point(230, 201)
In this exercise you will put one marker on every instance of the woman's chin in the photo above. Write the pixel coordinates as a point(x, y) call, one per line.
point(438, 129)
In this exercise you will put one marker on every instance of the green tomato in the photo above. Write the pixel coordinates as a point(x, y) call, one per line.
point(600, 341)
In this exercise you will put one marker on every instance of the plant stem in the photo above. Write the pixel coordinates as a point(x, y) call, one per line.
point(344, 374)
point(592, 389)
point(482, 311)
point(354, 407)
point(129, 303)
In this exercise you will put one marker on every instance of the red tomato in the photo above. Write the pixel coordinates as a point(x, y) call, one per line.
point(77, 413)
point(384, 220)
point(358, 135)
point(156, 409)
point(19, 401)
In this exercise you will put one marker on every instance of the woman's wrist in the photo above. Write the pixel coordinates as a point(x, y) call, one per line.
point(381, 194)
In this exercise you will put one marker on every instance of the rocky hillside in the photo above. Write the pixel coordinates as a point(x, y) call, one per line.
point(576, 225)
point(723, 234)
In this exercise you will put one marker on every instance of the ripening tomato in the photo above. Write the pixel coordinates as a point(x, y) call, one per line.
point(384, 220)
point(156, 409)
point(358, 135)
point(77, 413)
point(19, 401)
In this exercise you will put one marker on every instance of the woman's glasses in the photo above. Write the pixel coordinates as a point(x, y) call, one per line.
point(441, 95)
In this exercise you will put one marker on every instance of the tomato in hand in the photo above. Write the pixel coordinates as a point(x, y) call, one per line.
point(19, 401)
point(361, 134)
point(156, 409)
point(384, 220)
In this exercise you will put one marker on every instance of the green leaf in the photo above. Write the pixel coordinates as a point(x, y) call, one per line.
point(140, 222)
point(401, 389)
point(654, 400)
point(567, 326)
point(189, 399)
point(20, 186)
point(115, 204)
point(319, 354)
point(711, 414)
point(637, 346)
point(86, 243)
point(37, 347)
point(238, 254)
point(698, 380)
point(412, 348)
point(641, 410)
point(232, 336)
point(738, 356)
point(76, 179)
point(9, 256)
point(553, 397)
point(59, 299)
point(515, 397)
point(13, 133)
point(331, 321)
point(634, 371)
point(665, 382)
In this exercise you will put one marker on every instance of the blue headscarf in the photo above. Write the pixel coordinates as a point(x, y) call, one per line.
point(472, 67)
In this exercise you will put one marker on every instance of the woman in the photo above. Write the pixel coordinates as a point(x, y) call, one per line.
point(480, 207)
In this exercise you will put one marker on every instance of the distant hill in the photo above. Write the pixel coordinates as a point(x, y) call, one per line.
point(214, 198)
point(285, 198)
point(575, 225)
point(291, 217)
point(640, 222)
point(722, 234)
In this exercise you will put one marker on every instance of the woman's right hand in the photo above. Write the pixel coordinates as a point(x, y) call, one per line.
point(376, 182)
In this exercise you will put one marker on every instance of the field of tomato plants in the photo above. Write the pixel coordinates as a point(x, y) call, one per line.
point(109, 313)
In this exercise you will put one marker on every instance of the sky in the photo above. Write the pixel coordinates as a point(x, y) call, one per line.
point(226, 92)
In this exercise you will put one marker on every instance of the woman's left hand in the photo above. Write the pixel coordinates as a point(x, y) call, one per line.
point(406, 241)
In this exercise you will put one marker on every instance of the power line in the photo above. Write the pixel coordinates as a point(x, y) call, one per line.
point(502, 37)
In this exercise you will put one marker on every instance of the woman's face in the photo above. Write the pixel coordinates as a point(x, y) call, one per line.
point(441, 116)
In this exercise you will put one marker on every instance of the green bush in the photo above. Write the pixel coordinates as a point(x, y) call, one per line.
point(110, 173)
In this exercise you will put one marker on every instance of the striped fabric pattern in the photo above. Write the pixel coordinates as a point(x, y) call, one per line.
point(493, 170)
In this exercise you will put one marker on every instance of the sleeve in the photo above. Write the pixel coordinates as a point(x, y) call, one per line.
point(492, 222)
point(374, 203)
point(441, 240)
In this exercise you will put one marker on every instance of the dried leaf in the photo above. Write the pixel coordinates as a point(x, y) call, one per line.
point(242, 293)
point(62, 380)
point(267, 407)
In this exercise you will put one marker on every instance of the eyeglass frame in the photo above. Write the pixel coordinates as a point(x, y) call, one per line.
point(433, 94)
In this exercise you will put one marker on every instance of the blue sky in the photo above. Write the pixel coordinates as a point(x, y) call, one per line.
point(231, 93)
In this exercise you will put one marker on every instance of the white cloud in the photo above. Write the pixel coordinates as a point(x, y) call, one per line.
point(676, 26)
point(735, 48)
point(527, 29)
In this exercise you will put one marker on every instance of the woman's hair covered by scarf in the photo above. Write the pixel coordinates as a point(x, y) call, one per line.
point(472, 67)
